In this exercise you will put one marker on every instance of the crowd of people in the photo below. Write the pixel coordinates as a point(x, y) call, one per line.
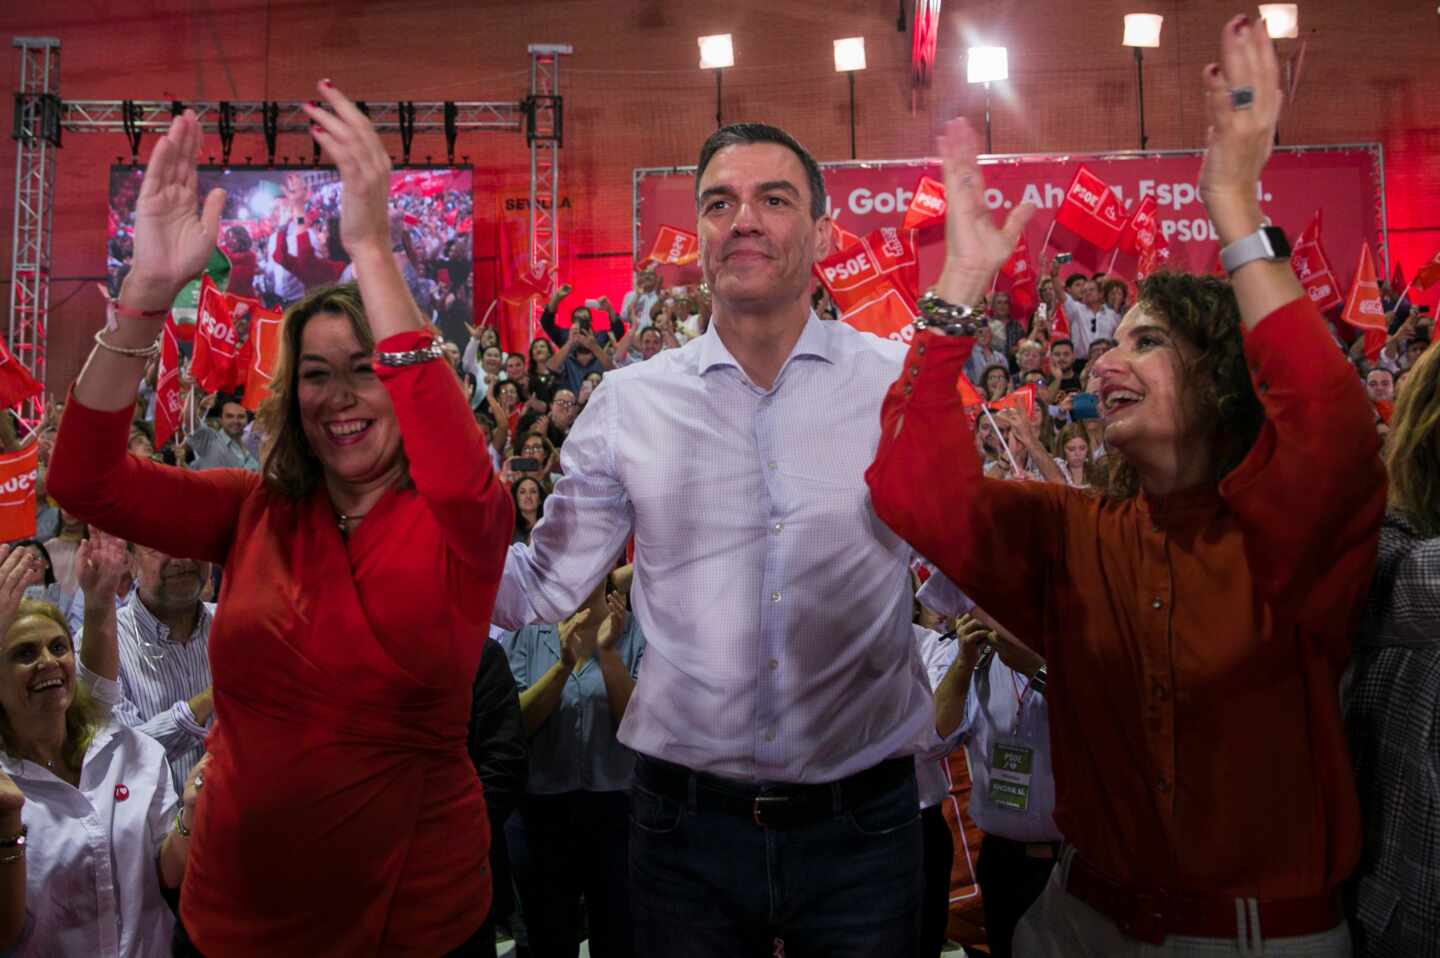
point(660, 632)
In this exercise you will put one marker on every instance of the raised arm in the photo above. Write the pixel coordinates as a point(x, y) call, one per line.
point(91, 472)
point(547, 316)
point(619, 680)
point(994, 539)
point(19, 568)
point(449, 461)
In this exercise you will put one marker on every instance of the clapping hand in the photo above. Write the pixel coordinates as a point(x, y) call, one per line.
point(101, 564)
point(975, 248)
point(351, 141)
point(576, 641)
point(614, 625)
point(20, 568)
point(172, 241)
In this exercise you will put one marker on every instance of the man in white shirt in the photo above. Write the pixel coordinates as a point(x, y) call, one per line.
point(781, 699)
point(1090, 318)
point(636, 305)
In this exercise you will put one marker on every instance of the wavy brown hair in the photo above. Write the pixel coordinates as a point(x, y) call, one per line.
point(1412, 451)
point(1215, 385)
point(84, 716)
point(289, 465)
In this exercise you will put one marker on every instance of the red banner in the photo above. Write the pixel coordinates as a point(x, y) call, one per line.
point(841, 239)
point(167, 387)
point(1153, 258)
point(1091, 210)
point(871, 195)
point(928, 206)
point(16, 383)
point(1019, 271)
point(17, 493)
point(1022, 399)
point(873, 285)
point(675, 247)
point(1312, 266)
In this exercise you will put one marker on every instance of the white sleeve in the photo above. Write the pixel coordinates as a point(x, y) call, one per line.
point(587, 520)
point(939, 594)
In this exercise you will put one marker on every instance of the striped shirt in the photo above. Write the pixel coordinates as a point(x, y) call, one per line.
point(158, 677)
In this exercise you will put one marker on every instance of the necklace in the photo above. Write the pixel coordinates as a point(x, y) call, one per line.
point(343, 520)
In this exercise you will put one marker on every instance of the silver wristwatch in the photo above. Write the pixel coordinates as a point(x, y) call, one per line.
point(1267, 243)
point(944, 317)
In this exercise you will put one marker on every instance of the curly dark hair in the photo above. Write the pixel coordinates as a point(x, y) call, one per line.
point(1215, 385)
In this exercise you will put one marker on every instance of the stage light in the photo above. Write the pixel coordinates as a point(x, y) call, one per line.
point(1142, 29)
point(1282, 20)
point(986, 65)
point(849, 54)
point(716, 52)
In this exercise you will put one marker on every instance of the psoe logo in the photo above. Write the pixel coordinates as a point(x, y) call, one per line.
point(21, 483)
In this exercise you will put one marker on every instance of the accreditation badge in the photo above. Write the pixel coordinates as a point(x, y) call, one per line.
point(1010, 769)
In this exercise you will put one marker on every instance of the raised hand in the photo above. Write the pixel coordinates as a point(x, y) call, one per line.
point(351, 141)
point(20, 568)
point(614, 625)
point(172, 240)
point(975, 248)
point(576, 641)
point(972, 635)
point(101, 564)
point(1242, 94)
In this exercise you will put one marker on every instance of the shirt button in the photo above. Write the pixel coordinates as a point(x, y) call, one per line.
point(1157, 603)
point(914, 370)
point(774, 597)
point(779, 526)
point(907, 389)
point(770, 735)
point(920, 350)
point(774, 664)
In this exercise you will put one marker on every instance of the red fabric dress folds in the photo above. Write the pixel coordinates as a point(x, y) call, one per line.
point(341, 814)
point(1195, 642)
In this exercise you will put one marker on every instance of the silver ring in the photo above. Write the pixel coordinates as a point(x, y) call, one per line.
point(199, 782)
point(1242, 97)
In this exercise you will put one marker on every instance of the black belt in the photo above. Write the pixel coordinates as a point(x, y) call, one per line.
point(771, 806)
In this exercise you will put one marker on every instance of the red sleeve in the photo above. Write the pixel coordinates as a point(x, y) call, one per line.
point(179, 512)
point(1311, 494)
point(449, 457)
point(282, 256)
point(996, 540)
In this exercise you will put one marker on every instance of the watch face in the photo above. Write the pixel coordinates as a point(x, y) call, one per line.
point(1279, 245)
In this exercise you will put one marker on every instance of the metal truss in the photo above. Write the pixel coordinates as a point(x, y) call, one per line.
point(545, 132)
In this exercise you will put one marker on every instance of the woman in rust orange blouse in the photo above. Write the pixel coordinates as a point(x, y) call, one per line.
point(340, 814)
point(1197, 618)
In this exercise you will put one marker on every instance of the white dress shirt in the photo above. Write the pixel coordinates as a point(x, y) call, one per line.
point(158, 677)
point(91, 883)
point(1088, 325)
point(775, 605)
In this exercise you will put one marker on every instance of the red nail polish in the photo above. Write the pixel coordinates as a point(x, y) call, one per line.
point(1244, 22)
point(326, 83)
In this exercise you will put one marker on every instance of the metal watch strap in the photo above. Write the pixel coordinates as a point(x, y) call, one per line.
point(411, 357)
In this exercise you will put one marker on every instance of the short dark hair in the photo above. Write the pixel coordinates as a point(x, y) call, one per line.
point(1074, 278)
point(1381, 369)
point(1062, 342)
point(746, 134)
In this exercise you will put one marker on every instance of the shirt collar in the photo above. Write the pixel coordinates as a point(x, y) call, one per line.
point(146, 622)
point(816, 342)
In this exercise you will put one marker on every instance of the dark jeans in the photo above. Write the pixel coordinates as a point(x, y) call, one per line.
point(707, 883)
point(1010, 881)
point(939, 860)
point(565, 846)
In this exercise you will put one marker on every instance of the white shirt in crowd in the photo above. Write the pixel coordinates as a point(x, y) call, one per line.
point(158, 677)
point(776, 606)
point(1088, 325)
point(92, 887)
point(1004, 718)
point(645, 302)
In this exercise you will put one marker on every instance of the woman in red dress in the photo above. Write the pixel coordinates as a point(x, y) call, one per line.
point(340, 814)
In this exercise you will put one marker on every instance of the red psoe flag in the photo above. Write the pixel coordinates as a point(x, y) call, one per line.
point(885, 313)
point(1091, 210)
point(927, 207)
point(841, 239)
point(1019, 269)
point(1022, 399)
point(1141, 228)
point(873, 284)
point(970, 399)
point(1363, 307)
point(1153, 258)
point(167, 386)
point(675, 246)
point(264, 355)
point(17, 493)
point(16, 383)
point(214, 367)
point(1311, 265)
point(1429, 274)
point(531, 279)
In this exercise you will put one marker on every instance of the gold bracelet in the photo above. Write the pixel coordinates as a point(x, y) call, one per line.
point(180, 822)
point(133, 352)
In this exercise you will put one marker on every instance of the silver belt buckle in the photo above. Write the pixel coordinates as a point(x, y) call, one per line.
point(774, 800)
